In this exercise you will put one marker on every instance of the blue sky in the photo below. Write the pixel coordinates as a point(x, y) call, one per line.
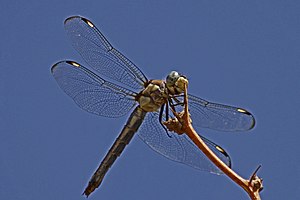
point(239, 53)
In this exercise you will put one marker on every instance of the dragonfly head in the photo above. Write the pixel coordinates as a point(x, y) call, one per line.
point(175, 82)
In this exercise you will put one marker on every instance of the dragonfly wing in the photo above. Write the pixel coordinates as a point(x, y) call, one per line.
point(91, 92)
point(101, 55)
point(219, 117)
point(179, 148)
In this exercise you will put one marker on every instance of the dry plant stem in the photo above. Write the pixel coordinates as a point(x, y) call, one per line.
point(191, 133)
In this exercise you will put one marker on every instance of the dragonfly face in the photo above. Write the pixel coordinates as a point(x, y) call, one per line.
point(175, 83)
point(130, 88)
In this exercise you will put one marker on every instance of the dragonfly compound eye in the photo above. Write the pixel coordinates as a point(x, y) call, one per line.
point(172, 78)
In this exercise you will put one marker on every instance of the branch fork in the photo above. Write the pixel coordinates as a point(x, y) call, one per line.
point(182, 124)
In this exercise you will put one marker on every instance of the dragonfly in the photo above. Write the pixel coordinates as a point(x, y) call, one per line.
point(112, 86)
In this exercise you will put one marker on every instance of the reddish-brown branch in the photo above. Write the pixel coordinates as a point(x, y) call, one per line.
point(252, 186)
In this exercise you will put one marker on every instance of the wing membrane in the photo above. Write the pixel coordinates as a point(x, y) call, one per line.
point(219, 117)
point(101, 55)
point(91, 92)
point(179, 148)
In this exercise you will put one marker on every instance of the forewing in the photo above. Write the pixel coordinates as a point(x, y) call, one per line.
point(219, 117)
point(179, 148)
point(100, 55)
point(91, 92)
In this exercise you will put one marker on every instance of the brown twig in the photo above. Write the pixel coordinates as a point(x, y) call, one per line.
point(252, 186)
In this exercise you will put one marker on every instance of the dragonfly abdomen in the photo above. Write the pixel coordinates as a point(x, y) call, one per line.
point(133, 123)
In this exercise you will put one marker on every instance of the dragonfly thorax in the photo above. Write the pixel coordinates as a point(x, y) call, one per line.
point(153, 96)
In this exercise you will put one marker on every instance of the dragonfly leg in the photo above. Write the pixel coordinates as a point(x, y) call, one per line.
point(167, 117)
point(177, 101)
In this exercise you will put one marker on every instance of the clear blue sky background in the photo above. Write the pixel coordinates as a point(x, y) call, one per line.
point(242, 53)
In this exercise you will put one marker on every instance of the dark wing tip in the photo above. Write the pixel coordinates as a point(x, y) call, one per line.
point(243, 111)
point(71, 18)
point(88, 22)
point(253, 122)
point(72, 63)
point(54, 66)
point(222, 151)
